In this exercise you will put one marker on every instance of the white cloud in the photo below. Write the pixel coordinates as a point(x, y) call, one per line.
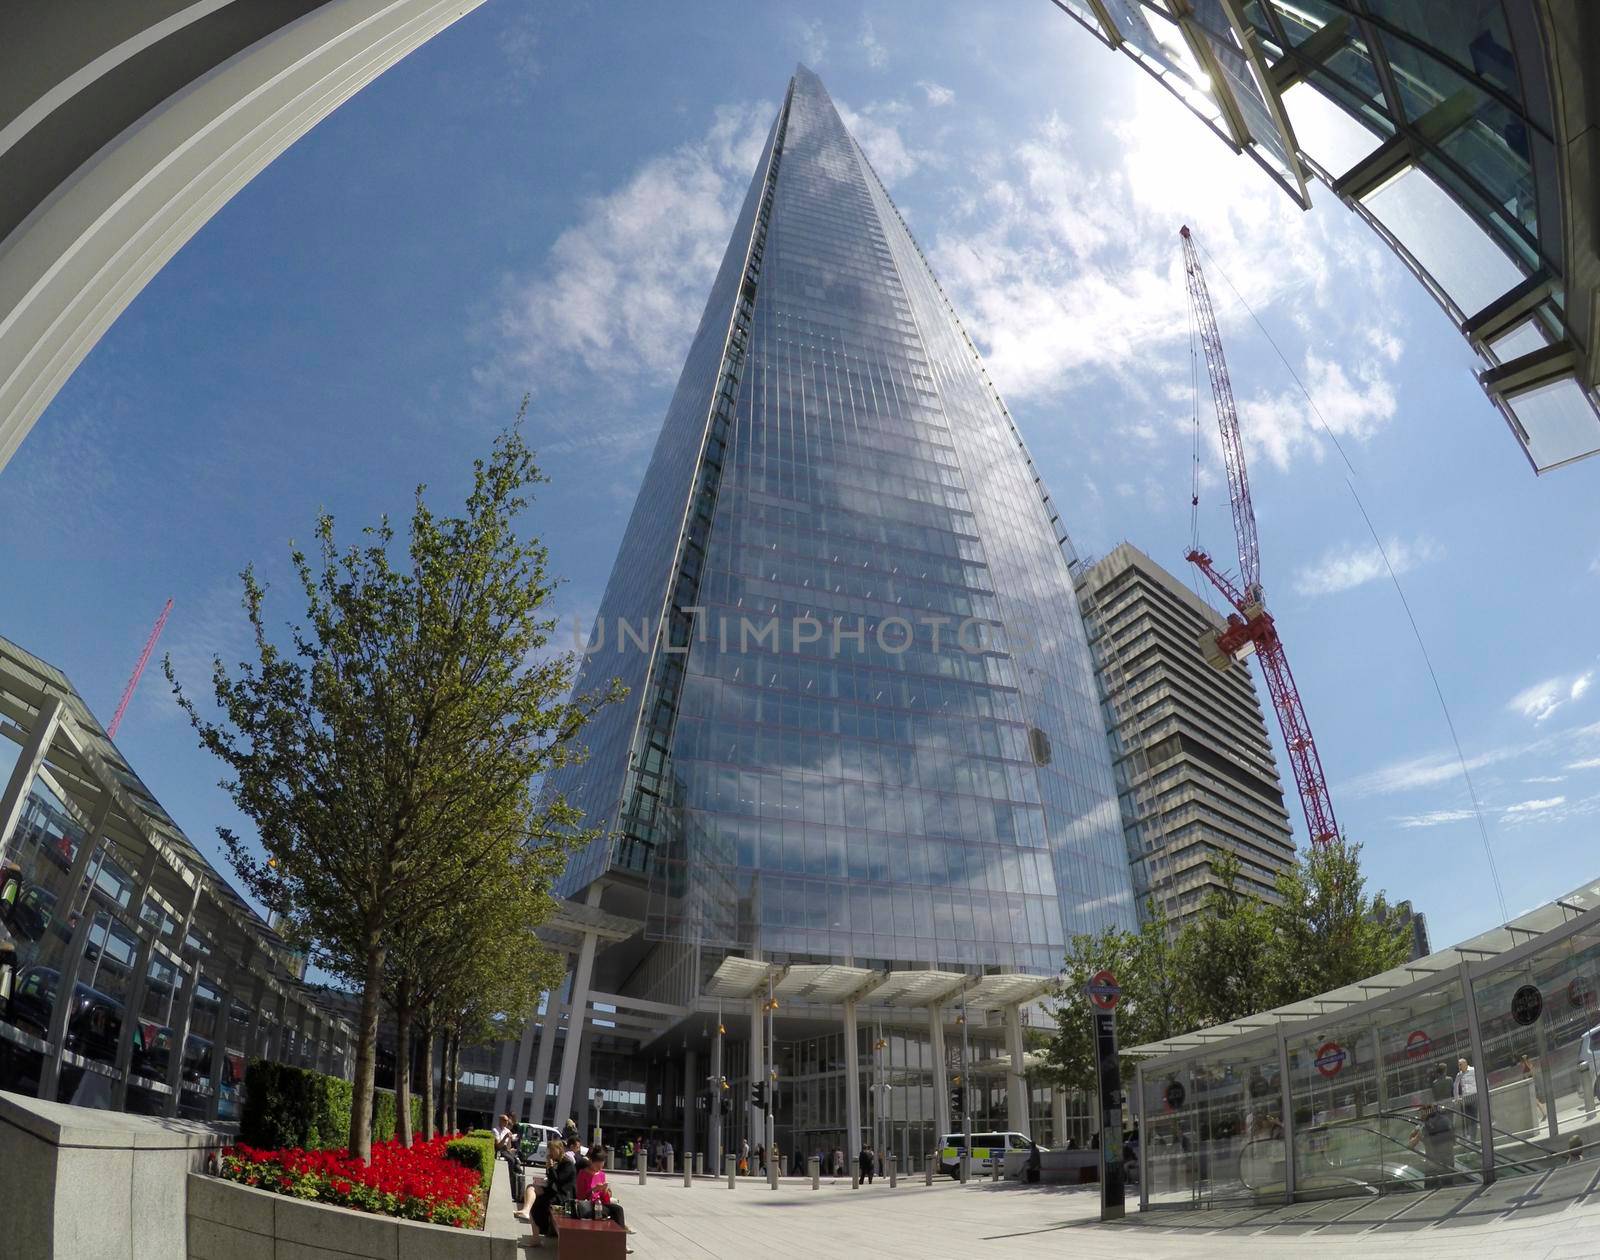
point(1546, 778)
point(1542, 699)
point(1068, 271)
point(1536, 807)
point(877, 55)
point(1422, 772)
point(1435, 818)
point(813, 41)
point(936, 93)
point(1343, 568)
point(620, 291)
point(876, 127)
point(1584, 763)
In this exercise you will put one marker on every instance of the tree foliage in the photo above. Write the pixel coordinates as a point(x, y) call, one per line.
point(387, 749)
point(1239, 957)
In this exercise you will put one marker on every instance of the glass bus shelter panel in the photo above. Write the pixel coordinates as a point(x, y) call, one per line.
point(1419, 1040)
point(1169, 1141)
point(1343, 1143)
point(1540, 1074)
point(1239, 1104)
point(235, 1056)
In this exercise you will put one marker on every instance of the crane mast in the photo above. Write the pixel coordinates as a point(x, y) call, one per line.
point(1250, 628)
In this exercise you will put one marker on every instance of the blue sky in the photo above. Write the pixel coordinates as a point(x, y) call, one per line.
point(537, 200)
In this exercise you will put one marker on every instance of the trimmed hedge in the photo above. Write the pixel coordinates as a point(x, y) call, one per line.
point(289, 1106)
point(476, 1153)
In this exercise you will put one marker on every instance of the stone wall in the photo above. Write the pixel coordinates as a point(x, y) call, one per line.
point(228, 1221)
point(81, 1184)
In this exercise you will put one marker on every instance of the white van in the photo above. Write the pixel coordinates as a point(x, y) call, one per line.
point(533, 1142)
point(988, 1148)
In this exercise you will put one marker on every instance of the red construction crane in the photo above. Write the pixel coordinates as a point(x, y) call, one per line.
point(138, 671)
point(1250, 627)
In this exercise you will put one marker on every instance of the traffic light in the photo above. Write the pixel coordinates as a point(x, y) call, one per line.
point(758, 1095)
point(955, 1104)
point(727, 1105)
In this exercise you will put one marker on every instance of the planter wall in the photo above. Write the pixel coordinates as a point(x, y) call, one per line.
point(228, 1221)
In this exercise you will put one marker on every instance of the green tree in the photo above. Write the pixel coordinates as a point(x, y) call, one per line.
point(1325, 931)
point(1226, 955)
point(391, 746)
point(1154, 1003)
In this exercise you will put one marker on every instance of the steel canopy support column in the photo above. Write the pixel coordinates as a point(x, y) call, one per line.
point(714, 1139)
point(502, 1085)
point(577, 1019)
point(15, 797)
point(852, 1083)
point(1481, 1072)
point(691, 1099)
point(758, 1074)
point(548, 1031)
point(941, 1080)
point(1287, 1103)
point(1016, 1081)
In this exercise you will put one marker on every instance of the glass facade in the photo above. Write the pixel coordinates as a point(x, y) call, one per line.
point(132, 977)
point(866, 724)
point(1455, 130)
point(1475, 1064)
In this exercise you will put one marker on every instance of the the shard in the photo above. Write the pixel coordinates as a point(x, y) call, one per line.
point(862, 723)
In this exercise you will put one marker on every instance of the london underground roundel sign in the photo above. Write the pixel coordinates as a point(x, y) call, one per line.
point(1418, 1044)
point(1104, 991)
point(1330, 1058)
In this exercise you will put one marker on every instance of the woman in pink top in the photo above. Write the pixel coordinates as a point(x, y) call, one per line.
point(592, 1188)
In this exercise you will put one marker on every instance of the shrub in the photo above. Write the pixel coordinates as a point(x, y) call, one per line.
point(293, 1107)
point(419, 1184)
point(386, 1115)
point(474, 1152)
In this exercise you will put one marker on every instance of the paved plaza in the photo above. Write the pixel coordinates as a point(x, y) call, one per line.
point(1553, 1217)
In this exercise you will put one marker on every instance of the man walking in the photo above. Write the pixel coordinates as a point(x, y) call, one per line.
point(867, 1164)
point(1465, 1092)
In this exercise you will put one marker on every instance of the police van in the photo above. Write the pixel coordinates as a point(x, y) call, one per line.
point(988, 1149)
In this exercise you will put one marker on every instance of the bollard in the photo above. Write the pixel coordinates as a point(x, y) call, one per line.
point(670, 1159)
point(814, 1166)
point(927, 1173)
point(699, 1162)
point(994, 1167)
point(688, 1174)
point(642, 1174)
point(772, 1174)
point(894, 1171)
point(855, 1175)
point(733, 1168)
point(966, 1167)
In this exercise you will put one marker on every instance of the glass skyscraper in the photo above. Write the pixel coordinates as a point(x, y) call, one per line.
point(862, 722)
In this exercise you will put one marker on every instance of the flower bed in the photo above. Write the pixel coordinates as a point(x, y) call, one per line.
point(418, 1184)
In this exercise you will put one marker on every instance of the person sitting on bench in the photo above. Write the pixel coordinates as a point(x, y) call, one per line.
point(592, 1188)
point(560, 1175)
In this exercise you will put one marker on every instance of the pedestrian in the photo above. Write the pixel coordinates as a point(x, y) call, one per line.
point(838, 1162)
point(744, 1157)
point(1465, 1092)
point(1527, 1072)
point(867, 1163)
point(560, 1176)
point(777, 1159)
point(1436, 1138)
point(593, 1189)
point(1031, 1170)
point(666, 1156)
point(761, 1158)
point(1443, 1084)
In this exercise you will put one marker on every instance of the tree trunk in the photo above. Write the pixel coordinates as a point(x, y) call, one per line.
point(425, 1037)
point(366, 1051)
point(452, 1088)
point(402, 1063)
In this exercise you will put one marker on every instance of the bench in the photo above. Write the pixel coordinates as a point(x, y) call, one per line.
point(590, 1240)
